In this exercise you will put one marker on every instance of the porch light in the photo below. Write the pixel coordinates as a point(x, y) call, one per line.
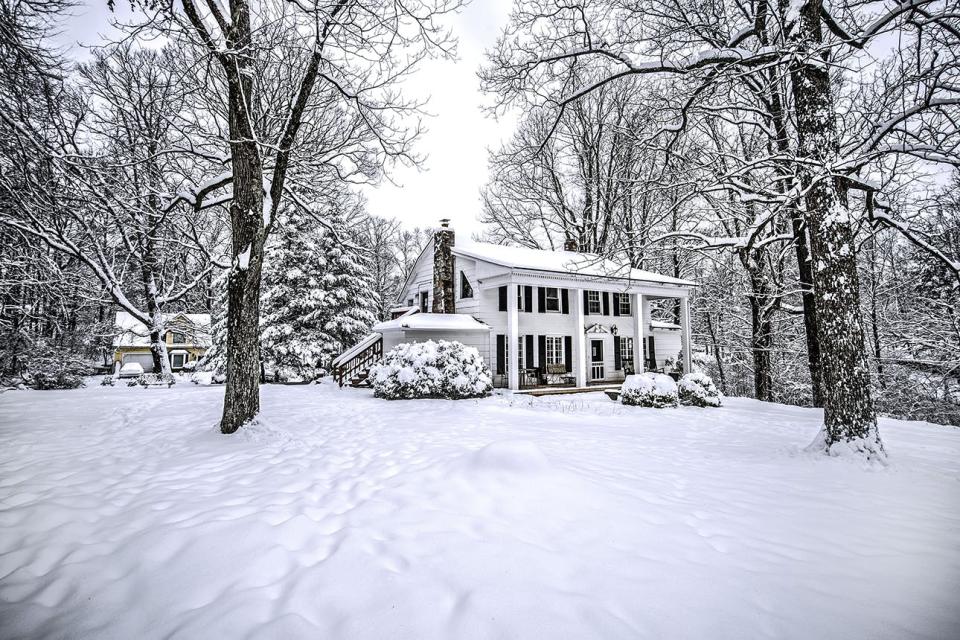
point(614, 329)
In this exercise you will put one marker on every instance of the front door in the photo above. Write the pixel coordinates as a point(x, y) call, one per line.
point(596, 359)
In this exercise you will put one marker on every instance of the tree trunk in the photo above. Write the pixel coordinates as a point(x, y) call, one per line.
point(717, 355)
point(760, 344)
point(798, 226)
point(242, 398)
point(805, 270)
point(849, 417)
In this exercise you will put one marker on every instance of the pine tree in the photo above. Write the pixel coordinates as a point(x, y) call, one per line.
point(318, 300)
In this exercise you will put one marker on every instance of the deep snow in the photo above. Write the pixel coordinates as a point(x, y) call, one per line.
point(124, 514)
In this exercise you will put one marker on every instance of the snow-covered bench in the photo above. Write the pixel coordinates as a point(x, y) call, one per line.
point(156, 380)
point(558, 374)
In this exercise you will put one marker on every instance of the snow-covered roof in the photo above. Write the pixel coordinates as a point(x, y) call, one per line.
point(567, 262)
point(433, 322)
point(133, 333)
point(657, 324)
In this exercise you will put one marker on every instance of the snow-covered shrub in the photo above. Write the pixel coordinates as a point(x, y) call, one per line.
point(154, 380)
point(51, 367)
point(649, 390)
point(106, 381)
point(697, 389)
point(431, 370)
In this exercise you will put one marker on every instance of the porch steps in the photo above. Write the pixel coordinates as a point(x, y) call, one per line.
point(361, 379)
point(559, 391)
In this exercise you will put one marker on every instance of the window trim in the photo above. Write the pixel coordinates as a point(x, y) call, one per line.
point(555, 354)
point(465, 281)
point(624, 357)
point(547, 299)
point(590, 301)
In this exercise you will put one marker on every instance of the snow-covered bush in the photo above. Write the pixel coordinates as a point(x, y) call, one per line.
point(106, 381)
point(697, 389)
point(431, 370)
point(51, 367)
point(649, 390)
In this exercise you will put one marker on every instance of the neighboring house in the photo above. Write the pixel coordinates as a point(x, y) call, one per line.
point(537, 317)
point(187, 337)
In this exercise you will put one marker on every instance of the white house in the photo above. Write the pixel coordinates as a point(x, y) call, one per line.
point(537, 317)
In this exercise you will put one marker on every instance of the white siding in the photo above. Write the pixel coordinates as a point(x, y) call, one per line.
point(421, 280)
point(478, 339)
point(469, 268)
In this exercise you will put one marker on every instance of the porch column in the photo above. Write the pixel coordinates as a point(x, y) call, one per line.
point(647, 318)
point(579, 341)
point(513, 331)
point(686, 343)
point(636, 305)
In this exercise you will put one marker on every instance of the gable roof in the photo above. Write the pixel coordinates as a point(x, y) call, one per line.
point(565, 262)
point(133, 333)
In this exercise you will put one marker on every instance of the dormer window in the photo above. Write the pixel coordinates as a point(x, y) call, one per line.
point(178, 338)
point(466, 291)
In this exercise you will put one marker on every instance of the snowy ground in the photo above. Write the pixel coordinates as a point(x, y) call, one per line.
point(123, 514)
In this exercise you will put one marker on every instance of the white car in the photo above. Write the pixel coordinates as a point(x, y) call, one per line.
point(131, 370)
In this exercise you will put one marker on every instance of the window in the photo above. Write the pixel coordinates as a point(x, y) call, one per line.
point(624, 304)
point(423, 301)
point(466, 291)
point(593, 303)
point(179, 338)
point(554, 349)
point(521, 353)
point(552, 296)
point(626, 350)
point(520, 298)
point(177, 360)
point(410, 302)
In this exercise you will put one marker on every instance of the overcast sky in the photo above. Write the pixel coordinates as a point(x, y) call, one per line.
point(458, 137)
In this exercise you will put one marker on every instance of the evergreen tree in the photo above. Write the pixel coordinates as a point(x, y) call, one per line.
point(318, 300)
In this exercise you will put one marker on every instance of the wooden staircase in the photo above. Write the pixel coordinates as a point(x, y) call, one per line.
point(354, 364)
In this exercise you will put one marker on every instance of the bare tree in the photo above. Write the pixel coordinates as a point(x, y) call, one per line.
point(698, 47)
point(354, 50)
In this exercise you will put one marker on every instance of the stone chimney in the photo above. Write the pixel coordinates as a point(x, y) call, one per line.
point(443, 268)
point(570, 245)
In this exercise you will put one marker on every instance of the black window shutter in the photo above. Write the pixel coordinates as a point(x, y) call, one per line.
point(501, 353)
point(617, 360)
point(606, 303)
point(651, 353)
point(565, 300)
point(529, 345)
point(528, 299)
point(568, 352)
point(616, 304)
point(586, 303)
point(541, 299)
point(503, 299)
point(542, 352)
